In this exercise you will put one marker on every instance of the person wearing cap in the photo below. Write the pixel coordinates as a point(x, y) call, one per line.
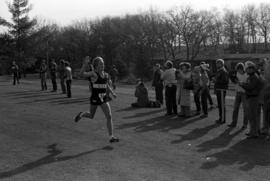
point(240, 97)
point(43, 75)
point(220, 87)
point(169, 79)
point(252, 89)
point(184, 74)
point(158, 83)
point(61, 72)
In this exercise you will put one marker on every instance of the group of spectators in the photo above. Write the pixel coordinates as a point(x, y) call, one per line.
point(251, 87)
point(64, 72)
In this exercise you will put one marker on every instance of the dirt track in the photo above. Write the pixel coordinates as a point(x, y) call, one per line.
point(40, 141)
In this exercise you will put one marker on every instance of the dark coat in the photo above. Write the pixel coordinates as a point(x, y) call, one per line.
point(221, 79)
point(253, 86)
point(157, 81)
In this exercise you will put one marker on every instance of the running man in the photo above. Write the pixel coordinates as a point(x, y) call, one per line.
point(100, 93)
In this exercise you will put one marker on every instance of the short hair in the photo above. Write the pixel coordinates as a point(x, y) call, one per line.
point(220, 61)
point(240, 66)
point(96, 61)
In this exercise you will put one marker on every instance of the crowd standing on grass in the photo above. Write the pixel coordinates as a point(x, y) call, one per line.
point(251, 82)
point(252, 85)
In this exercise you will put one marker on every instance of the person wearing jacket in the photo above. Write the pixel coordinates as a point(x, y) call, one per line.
point(183, 75)
point(169, 78)
point(158, 83)
point(204, 82)
point(61, 73)
point(141, 93)
point(266, 95)
point(196, 77)
point(43, 75)
point(221, 85)
point(252, 88)
point(240, 97)
point(53, 71)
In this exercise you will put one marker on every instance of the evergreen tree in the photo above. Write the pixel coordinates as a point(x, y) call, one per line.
point(20, 27)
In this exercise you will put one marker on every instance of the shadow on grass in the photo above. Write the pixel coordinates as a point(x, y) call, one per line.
point(195, 134)
point(247, 154)
point(127, 109)
point(162, 123)
point(221, 141)
point(156, 110)
point(51, 158)
point(71, 101)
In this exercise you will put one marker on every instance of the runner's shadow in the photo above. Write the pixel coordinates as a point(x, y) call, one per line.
point(51, 158)
point(221, 141)
point(247, 154)
point(196, 133)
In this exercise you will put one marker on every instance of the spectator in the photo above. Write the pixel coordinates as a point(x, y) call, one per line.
point(43, 75)
point(15, 72)
point(53, 69)
point(168, 76)
point(252, 88)
point(158, 83)
point(61, 71)
point(196, 77)
point(209, 98)
point(114, 74)
point(68, 77)
point(204, 83)
point(184, 75)
point(240, 97)
point(266, 103)
point(220, 87)
point(141, 93)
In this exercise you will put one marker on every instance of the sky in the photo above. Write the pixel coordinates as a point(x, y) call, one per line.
point(64, 12)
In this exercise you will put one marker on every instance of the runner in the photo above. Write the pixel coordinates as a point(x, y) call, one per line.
point(100, 93)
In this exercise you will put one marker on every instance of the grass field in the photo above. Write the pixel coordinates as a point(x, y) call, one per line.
point(40, 141)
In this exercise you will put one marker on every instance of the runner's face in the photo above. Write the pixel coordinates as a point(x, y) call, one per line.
point(100, 65)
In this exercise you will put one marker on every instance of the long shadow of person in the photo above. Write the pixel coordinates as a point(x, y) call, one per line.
point(246, 153)
point(196, 133)
point(221, 141)
point(51, 158)
point(160, 123)
point(144, 113)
